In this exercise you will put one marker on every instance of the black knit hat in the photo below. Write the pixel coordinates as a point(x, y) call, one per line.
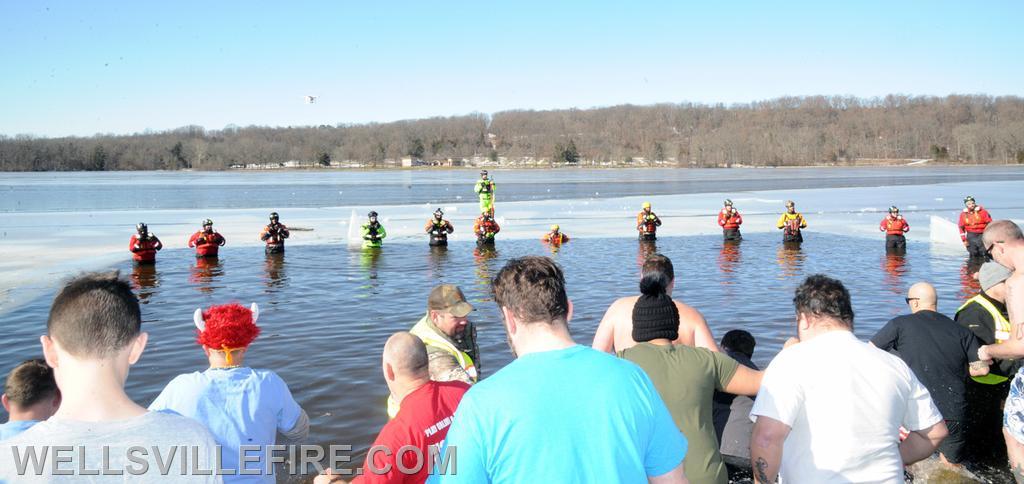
point(655, 317)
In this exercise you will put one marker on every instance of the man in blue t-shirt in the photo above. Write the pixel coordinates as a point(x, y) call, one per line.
point(560, 412)
point(243, 407)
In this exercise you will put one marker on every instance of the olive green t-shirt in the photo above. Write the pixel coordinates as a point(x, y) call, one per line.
point(686, 379)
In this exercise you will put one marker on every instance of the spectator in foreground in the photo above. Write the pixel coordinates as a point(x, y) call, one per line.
point(93, 336)
point(830, 407)
point(615, 332)
point(30, 396)
point(426, 409)
point(939, 351)
point(561, 412)
point(731, 412)
point(686, 379)
point(240, 405)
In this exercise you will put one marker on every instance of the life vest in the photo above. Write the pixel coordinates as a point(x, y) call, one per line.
point(647, 222)
point(274, 237)
point(555, 239)
point(439, 230)
point(974, 221)
point(729, 221)
point(486, 228)
point(430, 337)
point(1002, 333)
point(792, 222)
point(211, 243)
point(894, 226)
point(147, 248)
point(485, 188)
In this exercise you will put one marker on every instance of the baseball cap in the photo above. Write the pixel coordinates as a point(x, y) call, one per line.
point(448, 297)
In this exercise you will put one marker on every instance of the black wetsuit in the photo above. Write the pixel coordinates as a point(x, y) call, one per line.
point(731, 234)
point(895, 242)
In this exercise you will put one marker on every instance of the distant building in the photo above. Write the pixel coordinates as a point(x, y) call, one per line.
point(409, 162)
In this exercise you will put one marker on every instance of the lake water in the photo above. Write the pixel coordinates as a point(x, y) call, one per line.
point(326, 310)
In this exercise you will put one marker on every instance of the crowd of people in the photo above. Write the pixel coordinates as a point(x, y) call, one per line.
point(654, 398)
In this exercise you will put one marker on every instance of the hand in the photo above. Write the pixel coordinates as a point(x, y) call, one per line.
point(984, 356)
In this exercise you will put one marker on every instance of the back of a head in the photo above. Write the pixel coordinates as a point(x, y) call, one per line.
point(29, 383)
point(532, 288)
point(740, 341)
point(1002, 231)
point(94, 316)
point(824, 297)
point(925, 295)
point(407, 355)
point(656, 275)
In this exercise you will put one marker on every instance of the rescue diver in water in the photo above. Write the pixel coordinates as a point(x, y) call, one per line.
point(373, 232)
point(647, 223)
point(792, 224)
point(485, 229)
point(274, 235)
point(438, 228)
point(144, 245)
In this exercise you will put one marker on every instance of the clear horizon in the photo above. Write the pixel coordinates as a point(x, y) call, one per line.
point(123, 68)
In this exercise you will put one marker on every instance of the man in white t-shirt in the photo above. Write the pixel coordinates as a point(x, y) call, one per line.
point(830, 408)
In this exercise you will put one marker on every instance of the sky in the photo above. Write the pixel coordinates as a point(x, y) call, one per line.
point(79, 68)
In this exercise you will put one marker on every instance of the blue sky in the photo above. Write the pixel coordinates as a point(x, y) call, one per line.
point(81, 68)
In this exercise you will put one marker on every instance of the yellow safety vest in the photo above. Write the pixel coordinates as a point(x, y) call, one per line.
point(1002, 333)
point(430, 337)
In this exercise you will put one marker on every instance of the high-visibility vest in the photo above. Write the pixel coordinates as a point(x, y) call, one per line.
point(423, 331)
point(1002, 333)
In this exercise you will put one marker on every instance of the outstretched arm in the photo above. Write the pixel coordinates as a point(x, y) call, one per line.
point(920, 444)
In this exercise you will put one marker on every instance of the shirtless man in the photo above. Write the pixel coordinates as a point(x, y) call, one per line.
point(615, 333)
point(1005, 244)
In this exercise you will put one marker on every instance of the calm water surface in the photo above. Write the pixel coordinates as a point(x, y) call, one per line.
point(327, 310)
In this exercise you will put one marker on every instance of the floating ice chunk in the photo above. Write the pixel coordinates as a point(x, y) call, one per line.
point(939, 199)
point(458, 197)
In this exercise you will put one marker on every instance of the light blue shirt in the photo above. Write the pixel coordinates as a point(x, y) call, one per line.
point(15, 427)
point(240, 406)
point(572, 415)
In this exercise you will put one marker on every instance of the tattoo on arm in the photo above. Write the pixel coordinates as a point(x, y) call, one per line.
point(760, 471)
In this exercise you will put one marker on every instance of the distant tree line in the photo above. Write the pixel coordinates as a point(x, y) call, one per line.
point(780, 132)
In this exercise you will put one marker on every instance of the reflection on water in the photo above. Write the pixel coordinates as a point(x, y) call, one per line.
point(437, 260)
point(484, 274)
point(326, 311)
point(791, 259)
point(895, 265)
point(145, 280)
point(644, 250)
point(274, 268)
point(969, 284)
point(729, 257)
point(205, 272)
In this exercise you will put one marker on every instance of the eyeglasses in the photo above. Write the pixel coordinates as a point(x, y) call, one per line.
point(988, 250)
point(908, 299)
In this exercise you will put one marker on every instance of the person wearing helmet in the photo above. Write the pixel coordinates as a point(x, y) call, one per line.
point(438, 228)
point(647, 223)
point(274, 235)
point(485, 229)
point(206, 241)
point(555, 236)
point(373, 232)
point(144, 245)
point(973, 221)
point(792, 223)
point(485, 190)
point(894, 226)
point(730, 220)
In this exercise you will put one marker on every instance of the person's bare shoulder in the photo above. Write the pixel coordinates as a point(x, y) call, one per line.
point(689, 315)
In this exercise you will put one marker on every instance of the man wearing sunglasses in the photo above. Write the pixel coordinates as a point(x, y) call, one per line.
point(943, 355)
point(1004, 243)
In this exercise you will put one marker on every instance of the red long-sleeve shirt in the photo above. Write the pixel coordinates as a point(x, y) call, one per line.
point(206, 244)
point(974, 221)
point(729, 221)
point(144, 250)
point(894, 226)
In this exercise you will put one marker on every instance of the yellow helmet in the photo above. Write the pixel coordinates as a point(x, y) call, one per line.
point(646, 205)
point(554, 227)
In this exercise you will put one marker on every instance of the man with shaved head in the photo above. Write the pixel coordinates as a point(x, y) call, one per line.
point(425, 412)
point(1004, 243)
point(943, 356)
